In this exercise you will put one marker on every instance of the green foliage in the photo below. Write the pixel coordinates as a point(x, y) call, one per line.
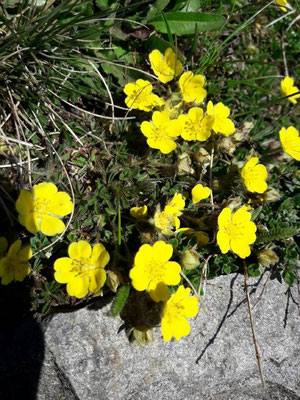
point(277, 234)
point(120, 299)
point(180, 23)
point(55, 101)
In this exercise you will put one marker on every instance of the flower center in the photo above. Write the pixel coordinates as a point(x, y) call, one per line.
point(236, 230)
point(40, 206)
point(82, 266)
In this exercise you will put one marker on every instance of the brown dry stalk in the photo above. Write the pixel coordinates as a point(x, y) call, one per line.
point(258, 357)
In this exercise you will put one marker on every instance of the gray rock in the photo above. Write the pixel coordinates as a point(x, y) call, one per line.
point(100, 364)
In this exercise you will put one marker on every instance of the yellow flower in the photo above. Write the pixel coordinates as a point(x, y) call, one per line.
point(179, 307)
point(83, 270)
point(222, 123)
point(254, 176)
point(153, 271)
point(175, 205)
point(288, 88)
point(138, 212)
point(166, 66)
point(161, 132)
point(165, 223)
point(236, 231)
point(192, 87)
point(42, 208)
point(15, 265)
point(196, 126)
point(199, 193)
point(290, 141)
point(282, 3)
point(140, 96)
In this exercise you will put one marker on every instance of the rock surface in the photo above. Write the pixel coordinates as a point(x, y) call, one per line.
point(94, 362)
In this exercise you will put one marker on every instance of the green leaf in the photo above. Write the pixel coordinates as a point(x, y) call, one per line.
point(156, 8)
point(183, 23)
point(289, 276)
point(120, 299)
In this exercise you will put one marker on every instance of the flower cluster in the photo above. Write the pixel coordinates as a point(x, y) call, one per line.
point(170, 123)
point(152, 271)
point(41, 210)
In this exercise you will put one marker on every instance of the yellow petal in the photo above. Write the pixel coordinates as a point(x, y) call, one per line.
point(167, 146)
point(223, 241)
point(14, 248)
point(158, 291)
point(139, 278)
point(199, 193)
point(224, 218)
point(181, 328)
point(172, 273)
point(51, 226)
point(44, 190)
point(61, 204)
point(240, 248)
point(78, 287)
point(25, 253)
point(21, 270)
point(24, 203)
point(138, 212)
point(80, 249)
point(162, 251)
point(97, 279)
point(147, 128)
point(63, 270)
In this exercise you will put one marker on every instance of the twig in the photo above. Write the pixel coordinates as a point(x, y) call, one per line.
point(258, 357)
point(203, 272)
point(107, 89)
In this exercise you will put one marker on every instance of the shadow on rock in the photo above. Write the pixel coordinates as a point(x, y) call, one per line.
point(21, 344)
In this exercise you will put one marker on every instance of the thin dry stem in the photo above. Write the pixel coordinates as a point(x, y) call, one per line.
point(258, 357)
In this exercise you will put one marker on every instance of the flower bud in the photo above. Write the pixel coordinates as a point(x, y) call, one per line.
point(272, 195)
point(184, 164)
point(267, 257)
point(113, 280)
point(190, 259)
